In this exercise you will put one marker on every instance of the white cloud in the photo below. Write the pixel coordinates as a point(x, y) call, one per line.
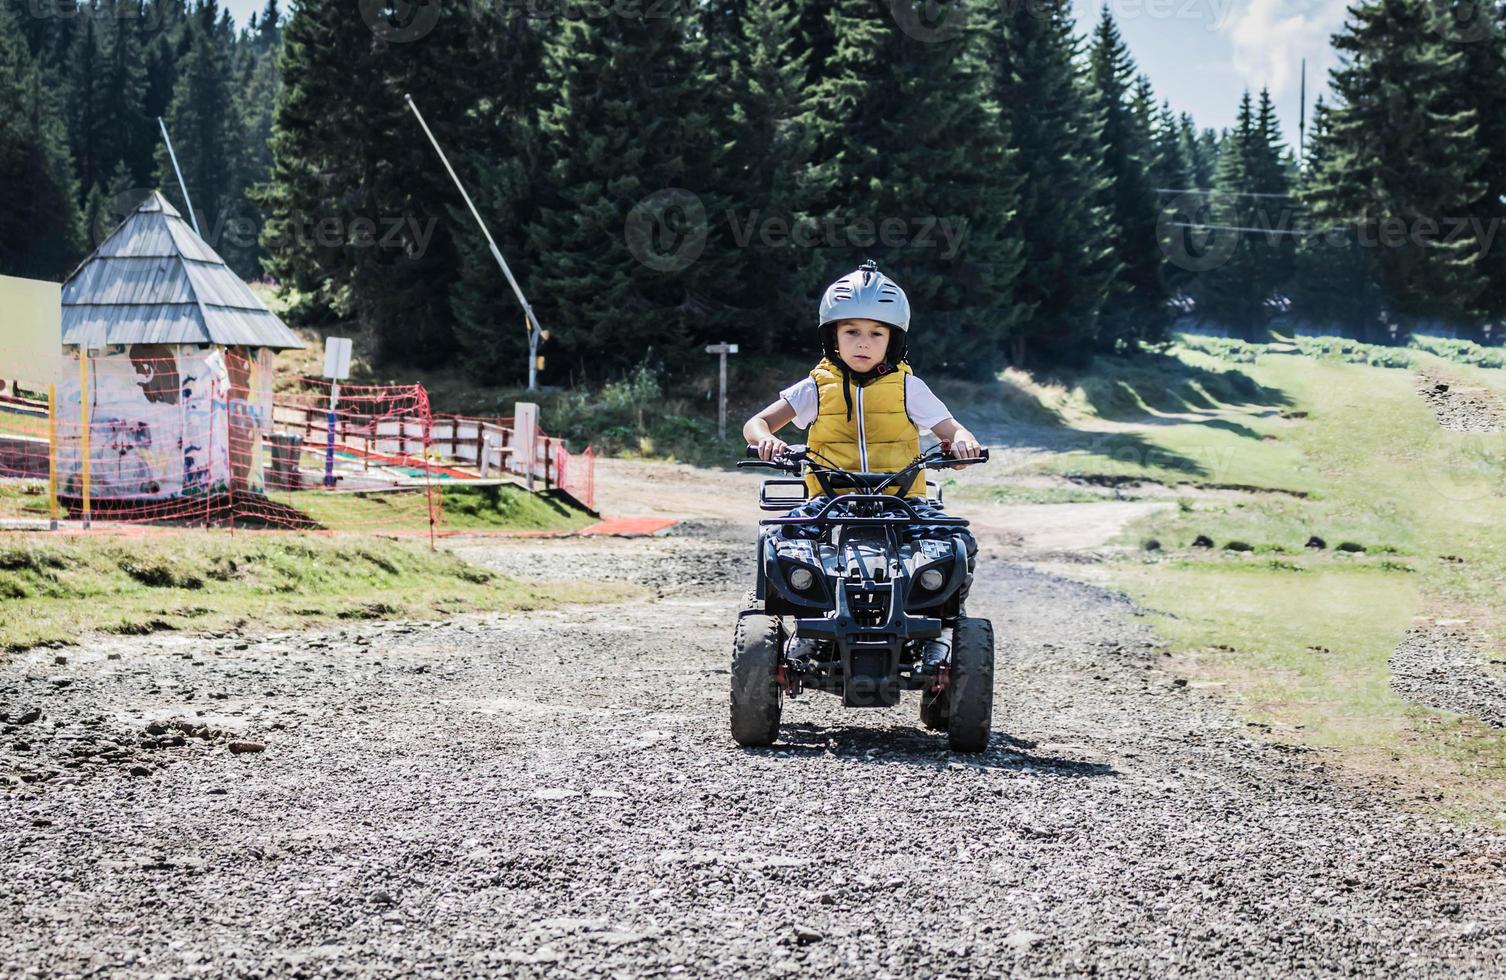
point(1271, 37)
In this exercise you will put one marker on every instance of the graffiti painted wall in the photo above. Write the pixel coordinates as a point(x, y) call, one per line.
point(166, 421)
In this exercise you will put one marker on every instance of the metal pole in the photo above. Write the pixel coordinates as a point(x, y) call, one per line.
point(181, 185)
point(52, 451)
point(1302, 117)
point(530, 322)
point(721, 388)
point(329, 443)
point(83, 388)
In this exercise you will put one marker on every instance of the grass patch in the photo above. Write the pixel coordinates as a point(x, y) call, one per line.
point(57, 588)
point(1014, 493)
point(1308, 656)
point(1259, 630)
point(1180, 418)
point(1409, 514)
point(463, 508)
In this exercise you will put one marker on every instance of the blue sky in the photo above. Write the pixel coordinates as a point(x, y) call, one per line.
point(1200, 54)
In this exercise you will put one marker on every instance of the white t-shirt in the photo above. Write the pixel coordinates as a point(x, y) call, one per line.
point(921, 404)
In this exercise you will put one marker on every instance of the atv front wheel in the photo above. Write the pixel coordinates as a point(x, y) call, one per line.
point(970, 695)
point(756, 696)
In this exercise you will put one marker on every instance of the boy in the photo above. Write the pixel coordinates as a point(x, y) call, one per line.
point(862, 404)
point(864, 326)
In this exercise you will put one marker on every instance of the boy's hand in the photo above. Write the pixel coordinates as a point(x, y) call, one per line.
point(966, 447)
point(771, 447)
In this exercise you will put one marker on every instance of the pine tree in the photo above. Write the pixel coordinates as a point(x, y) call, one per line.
point(773, 117)
point(1066, 232)
point(259, 83)
point(1484, 94)
point(171, 20)
point(126, 135)
point(84, 95)
point(629, 255)
point(1335, 283)
point(503, 174)
point(1137, 311)
point(1271, 169)
point(1250, 196)
point(1406, 158)
point(1168, 171)
point(40, 233)
point(326, 67)
point(358, 207)
point(204, 123)
point(912, 139)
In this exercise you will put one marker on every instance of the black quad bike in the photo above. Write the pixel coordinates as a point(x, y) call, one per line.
point(855, 600)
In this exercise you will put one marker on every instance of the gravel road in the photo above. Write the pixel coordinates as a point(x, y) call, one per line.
point(1460, 407)
point(1439, 665)
point(556, 795)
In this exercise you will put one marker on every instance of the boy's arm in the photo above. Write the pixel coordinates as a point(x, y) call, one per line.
point(760, 429)
point(964, 443)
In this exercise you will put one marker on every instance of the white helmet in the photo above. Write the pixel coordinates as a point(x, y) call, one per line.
point(868, 294)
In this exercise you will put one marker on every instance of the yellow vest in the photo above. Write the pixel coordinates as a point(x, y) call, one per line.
point(879, 438)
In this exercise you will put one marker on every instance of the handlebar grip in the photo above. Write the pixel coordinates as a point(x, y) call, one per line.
point(752, 452)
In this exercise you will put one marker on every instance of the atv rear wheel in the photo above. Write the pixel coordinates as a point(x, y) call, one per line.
point(970, 695)
point(757, 699)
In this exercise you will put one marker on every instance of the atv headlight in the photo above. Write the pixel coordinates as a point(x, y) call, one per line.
point(801, 579)
point(932, 579)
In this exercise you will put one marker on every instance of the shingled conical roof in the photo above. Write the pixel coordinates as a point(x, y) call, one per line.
point(155, 281)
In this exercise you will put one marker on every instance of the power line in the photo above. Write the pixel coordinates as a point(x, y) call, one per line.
point(1194, 190)
point(1256, 231)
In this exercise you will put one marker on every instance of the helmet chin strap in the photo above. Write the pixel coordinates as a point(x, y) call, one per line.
point(892, 358)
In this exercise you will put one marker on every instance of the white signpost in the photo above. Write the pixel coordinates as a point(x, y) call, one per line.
point(721, 418)
point(525, 428)
point(336, 369)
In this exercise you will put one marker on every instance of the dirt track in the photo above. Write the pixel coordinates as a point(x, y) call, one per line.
point(556, 795)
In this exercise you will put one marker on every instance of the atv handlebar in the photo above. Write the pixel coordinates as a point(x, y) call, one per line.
point(832, 479)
